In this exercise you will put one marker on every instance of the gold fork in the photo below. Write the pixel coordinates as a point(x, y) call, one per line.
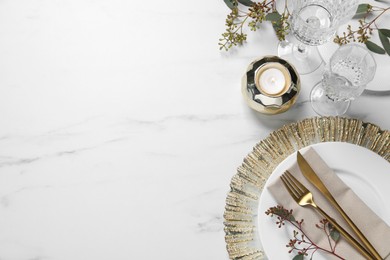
point(304, 197)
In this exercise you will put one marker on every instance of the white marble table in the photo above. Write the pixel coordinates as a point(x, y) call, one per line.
point(121, 126)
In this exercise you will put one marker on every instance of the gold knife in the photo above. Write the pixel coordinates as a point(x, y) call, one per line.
point(310, 174)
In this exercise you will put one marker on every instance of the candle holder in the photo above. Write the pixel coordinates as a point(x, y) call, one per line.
point(270, 85)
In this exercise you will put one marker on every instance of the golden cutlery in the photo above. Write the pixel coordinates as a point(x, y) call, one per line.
point(305, 198)
point(310, 174)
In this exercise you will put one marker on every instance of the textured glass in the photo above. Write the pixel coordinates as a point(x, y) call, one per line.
point(314, 22)
point(350, 69)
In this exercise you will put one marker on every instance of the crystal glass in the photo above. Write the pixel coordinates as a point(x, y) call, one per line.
point(349, 70)
point(312, 23)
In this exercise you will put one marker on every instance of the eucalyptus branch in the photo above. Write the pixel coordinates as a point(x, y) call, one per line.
point(364, 32)
point(301, 241)
point(253, 16)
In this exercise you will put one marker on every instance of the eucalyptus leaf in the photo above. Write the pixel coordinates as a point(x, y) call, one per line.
point(375, 48)
point(298, 257)
point(385, 32)
point(246, 2)
point(273, 17)
point(362, 9)
point(334, 233)
point(385, 42)
point(231, 3)
point(277, 26)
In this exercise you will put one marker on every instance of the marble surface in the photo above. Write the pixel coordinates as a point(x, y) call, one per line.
point(122, 125)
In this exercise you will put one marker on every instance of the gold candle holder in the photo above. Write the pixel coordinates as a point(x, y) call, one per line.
point(270, 85)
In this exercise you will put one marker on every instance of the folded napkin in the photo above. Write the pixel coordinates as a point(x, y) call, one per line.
point(375, 230)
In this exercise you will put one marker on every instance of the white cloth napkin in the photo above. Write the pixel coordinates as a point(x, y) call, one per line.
point(375, 230)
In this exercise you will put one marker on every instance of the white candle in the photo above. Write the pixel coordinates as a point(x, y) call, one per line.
point(273, 79)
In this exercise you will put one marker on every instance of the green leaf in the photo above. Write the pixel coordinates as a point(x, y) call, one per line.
point(292, 218)
point(298, 257)
point(385, 32)
point(385, 42)
point(375, 48)
point(277, 28)
point(273, 17)
point(334, 233)
point(231, 3)
point(246, 2)
point(362, 9)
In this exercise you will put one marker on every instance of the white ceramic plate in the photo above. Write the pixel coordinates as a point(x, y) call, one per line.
point(364, 171)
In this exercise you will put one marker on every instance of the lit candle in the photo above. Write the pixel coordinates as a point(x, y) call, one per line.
point(273, 79)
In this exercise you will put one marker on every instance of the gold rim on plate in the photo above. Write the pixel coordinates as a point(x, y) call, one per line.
point(240, 218)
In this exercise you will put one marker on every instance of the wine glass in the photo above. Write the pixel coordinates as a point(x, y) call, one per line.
point(349, 70)
point(312, 23)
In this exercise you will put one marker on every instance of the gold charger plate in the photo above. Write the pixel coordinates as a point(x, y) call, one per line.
point(241, 216)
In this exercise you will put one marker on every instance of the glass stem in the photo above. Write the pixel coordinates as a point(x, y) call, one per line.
point(301, 48)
